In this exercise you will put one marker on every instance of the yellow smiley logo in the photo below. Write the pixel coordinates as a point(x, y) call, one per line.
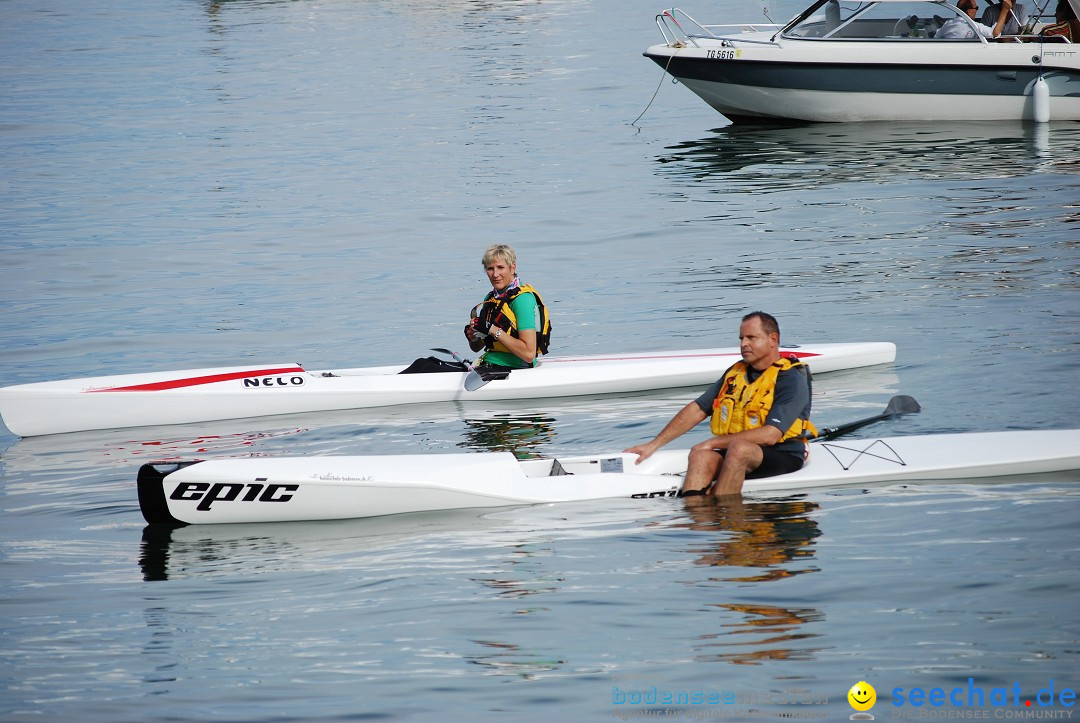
point(862, 696)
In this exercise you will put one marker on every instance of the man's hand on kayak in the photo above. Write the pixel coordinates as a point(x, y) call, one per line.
point(643, 451)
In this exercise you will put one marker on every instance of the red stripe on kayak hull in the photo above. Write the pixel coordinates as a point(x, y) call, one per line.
point(198, 381)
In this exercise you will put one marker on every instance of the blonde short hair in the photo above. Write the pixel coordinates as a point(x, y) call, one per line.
point(499, 251)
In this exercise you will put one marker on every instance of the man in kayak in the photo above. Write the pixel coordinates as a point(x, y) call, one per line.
point(760, 411)
point(512, 323)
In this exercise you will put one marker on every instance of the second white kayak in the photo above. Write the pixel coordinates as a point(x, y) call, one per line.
point(201, 395)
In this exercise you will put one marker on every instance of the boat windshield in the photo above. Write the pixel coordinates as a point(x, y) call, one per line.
point(836, 20)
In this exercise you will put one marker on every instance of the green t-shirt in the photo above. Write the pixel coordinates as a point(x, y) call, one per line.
point(527, 314)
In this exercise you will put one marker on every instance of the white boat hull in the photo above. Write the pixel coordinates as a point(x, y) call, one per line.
point(744, 103)
point(755, 74)
point(286, 489)
point(200, 395)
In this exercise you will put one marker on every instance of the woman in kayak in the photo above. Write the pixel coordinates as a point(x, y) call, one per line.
point(512, 323)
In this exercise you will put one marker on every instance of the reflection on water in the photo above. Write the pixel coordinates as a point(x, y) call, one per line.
point(537, 565)
point(509, 659)
point(764, 542)
point(522, 575)
point(761, 538)
point(521, 434)
point(154, 552)
point(770, 159)
point(166, 552)
point(162, 557)
point(65, 454)
point(259, 548)
point(767, 632)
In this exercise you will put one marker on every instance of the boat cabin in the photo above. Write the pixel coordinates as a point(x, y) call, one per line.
point(904, 20)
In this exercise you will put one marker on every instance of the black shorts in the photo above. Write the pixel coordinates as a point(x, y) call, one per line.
point(776, 461)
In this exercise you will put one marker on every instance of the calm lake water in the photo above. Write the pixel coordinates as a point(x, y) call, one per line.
point(191, 184)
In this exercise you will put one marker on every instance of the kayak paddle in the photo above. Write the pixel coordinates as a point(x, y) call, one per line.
point(474, 379)
point(898, 405)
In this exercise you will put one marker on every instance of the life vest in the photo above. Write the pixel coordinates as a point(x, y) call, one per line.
point(497, 312)
point(742, 405)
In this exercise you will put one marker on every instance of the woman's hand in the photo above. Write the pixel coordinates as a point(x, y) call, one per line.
point(474, 335)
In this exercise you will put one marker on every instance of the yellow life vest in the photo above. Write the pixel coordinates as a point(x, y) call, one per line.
point(497, 312)
point(742, 405)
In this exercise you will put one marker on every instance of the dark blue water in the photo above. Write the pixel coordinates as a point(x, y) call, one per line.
point(193, 184)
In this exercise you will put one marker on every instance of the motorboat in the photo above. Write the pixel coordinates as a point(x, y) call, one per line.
point(881, 60)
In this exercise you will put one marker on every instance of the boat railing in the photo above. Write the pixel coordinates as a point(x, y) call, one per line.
point(1033, 39)
point(687, 32)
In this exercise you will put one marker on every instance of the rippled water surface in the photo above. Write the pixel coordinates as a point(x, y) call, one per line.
point(192, 184)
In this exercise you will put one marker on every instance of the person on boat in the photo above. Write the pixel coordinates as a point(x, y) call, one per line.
point(960, 28)
point(760, 417)
point(1008, 17)
point(512, 323)
point(1067, 25)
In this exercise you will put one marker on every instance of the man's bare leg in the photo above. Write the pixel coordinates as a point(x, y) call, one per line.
point(740, 458)
point(701, 468)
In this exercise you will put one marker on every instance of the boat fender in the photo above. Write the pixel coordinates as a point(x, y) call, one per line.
point(1040, 101)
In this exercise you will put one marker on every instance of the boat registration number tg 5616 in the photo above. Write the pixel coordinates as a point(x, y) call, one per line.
point(727, 54)
point(208, 493)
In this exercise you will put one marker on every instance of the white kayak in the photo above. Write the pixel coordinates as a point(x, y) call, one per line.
point(281, 489)
point(201, 395)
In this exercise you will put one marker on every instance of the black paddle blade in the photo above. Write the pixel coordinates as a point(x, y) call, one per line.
point(900, 404)
point(454, 354)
